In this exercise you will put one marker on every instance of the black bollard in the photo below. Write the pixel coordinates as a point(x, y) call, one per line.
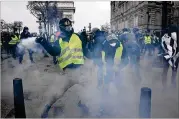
point(19, 98)
point(145, 103)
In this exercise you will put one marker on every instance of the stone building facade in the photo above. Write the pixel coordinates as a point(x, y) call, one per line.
point(67, 8)
point(141, 14)
point(175, 11)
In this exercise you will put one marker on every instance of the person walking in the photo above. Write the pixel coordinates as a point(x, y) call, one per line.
point(24, 35)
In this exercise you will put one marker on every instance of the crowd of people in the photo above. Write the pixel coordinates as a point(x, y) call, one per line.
point(110, 51)
point(10, 41)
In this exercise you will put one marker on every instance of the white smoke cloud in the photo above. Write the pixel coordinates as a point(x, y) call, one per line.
point(29, 43)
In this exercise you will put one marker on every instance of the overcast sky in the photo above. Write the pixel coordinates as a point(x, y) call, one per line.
point(96, 13)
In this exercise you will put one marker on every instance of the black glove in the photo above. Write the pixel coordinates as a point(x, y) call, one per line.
point(40, 40)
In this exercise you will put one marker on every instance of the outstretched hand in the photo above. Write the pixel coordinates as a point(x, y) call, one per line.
point(40, 40)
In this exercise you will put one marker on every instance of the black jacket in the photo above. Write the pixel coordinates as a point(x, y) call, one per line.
point(25, 35)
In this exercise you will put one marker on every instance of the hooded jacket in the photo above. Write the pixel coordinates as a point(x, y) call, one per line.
point(25, 35)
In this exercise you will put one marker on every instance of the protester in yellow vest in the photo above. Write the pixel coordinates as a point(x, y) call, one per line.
point(68, 47)
point(148, 43)
point(69, 50)
point(111, 57)
point(15, 38)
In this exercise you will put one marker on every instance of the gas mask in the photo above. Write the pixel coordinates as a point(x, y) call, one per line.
point(68, 28)
point(65, 30)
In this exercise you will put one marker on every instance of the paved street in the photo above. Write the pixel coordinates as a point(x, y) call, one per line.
point(42, 80)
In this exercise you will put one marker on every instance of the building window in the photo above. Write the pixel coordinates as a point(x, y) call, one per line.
point(141, 20)
point(114, 7)
point(136, 21)
point(126, 23)
point(136, 3)
point(158, 18)
point(119, 4)
point(123, 8)
point(176, 13)
point(126, 6)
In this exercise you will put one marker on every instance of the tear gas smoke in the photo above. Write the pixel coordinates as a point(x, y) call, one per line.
point(30, 44)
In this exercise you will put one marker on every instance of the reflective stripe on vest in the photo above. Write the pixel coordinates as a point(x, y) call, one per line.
point(117, 57)
point(14, 40)
point(71, 52)
point(147, 40)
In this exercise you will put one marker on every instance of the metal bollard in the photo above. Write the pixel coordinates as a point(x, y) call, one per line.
point(145, 103)
point(18, 98)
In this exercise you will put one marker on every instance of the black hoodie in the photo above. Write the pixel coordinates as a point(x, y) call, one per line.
point(25, 35)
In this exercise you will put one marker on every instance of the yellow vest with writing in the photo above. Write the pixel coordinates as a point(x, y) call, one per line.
point(14, 40)
point(71, 52)
point(148, 40)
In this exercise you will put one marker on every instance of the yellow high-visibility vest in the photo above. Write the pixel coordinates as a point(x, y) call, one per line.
point(117, 57)
point(148, 40)
point(14, 40)
point(71, 52)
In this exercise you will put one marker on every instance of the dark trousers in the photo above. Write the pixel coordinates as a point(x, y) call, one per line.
point(13, 51)
point(165, 71)
point(54, 60)
point(142, 47)
point(148, 47)
point(30, 56)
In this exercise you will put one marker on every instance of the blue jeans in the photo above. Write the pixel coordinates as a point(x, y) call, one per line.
point(30, 56)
